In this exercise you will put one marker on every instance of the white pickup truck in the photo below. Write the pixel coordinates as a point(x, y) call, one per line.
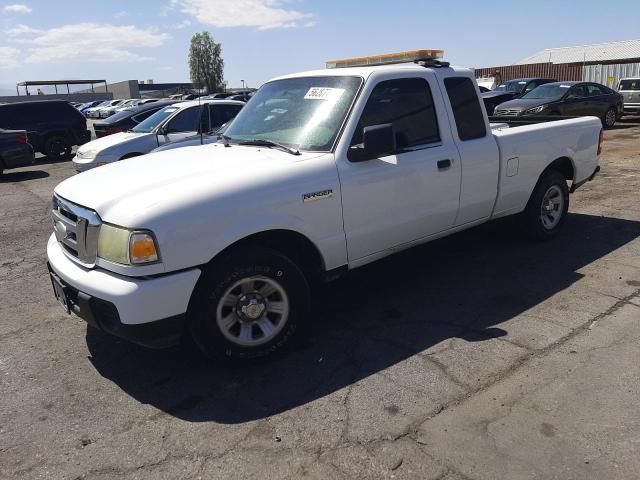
point(321, 172)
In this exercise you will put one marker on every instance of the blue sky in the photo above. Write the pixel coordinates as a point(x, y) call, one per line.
point(144, 39)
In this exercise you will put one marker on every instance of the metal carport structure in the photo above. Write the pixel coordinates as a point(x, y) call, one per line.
point(56, 83)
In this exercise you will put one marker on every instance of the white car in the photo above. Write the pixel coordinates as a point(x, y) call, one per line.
point(169, 124)
point(134, 103)
point(320, 173)
point(95, 112)
point(107, 111)
point(89, 112)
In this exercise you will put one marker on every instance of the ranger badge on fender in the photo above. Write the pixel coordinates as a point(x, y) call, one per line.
point(313, 196)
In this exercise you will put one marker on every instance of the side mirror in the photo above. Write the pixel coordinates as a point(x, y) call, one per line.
point(377, 141)
point(162, 130)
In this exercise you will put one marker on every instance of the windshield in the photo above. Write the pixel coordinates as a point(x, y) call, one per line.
point(512, 86)
point(148, 125)
point(550, 91)
point(305, 113)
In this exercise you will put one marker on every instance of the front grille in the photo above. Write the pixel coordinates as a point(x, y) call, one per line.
point(76, 229)
point(507, 112)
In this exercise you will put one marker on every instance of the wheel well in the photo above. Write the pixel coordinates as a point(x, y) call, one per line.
point(292, 244)
point(562, 165)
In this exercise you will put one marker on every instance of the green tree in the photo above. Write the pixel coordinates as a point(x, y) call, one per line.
point(205, 63)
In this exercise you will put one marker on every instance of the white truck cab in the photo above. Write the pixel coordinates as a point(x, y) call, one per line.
point(321, 172)
point(169, 124)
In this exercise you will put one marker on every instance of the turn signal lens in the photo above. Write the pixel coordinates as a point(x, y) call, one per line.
point(142, 248)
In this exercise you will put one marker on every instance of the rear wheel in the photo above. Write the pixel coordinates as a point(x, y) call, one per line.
point(55, 147)
point(547, 207)
point(609, 118)
point(248, 305)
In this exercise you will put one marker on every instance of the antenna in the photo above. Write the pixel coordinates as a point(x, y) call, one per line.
point(200, 109)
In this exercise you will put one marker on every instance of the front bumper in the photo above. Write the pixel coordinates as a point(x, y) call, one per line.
point(146, 311)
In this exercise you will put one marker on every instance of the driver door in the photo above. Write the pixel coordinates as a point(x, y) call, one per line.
point(411, 194)
point(576, 102)
point(184, 124)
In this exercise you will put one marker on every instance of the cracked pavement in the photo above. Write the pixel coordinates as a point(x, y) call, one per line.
point(478, 356)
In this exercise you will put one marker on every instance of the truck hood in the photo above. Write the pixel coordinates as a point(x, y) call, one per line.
point(135, 191)
point(101, 144)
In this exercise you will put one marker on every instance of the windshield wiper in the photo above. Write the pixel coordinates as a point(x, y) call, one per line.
point(270, 144)
point(224, 137)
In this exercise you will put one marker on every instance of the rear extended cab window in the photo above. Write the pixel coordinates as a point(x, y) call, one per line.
point(465, 104)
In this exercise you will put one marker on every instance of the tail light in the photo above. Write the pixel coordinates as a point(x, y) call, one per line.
point(22, 138)
point(112, 130)
point(600, 141)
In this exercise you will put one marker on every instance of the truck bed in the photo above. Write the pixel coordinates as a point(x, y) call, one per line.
point(526, 150)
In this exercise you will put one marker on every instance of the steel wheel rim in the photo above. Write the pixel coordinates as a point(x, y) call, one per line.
point(610, 118)
point(552, 207)
point(253, 311)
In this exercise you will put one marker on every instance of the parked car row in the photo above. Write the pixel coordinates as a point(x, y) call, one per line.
point(54, 127)
point(169, 123)
point(525, 97)
point(127, 118)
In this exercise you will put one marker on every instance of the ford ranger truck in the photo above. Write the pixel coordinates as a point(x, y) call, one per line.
point(321, 172)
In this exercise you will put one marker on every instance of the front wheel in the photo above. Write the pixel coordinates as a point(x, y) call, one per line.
point(609, 118)
point(547, 207)
point(248, 305)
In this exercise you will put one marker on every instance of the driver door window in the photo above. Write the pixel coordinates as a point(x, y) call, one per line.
point(408, 105)
point(579, 91)
point(186, 121)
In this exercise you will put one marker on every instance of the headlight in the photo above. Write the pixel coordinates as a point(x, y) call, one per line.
point(88, 155)
point(127, 247)
point(536, 109)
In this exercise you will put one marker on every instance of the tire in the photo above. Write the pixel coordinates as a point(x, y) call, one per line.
point(547, 207)
point(55, 147)
point(240, 295)
point(610, 117)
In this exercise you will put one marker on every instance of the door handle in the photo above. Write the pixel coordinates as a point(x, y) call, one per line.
point(442, 164)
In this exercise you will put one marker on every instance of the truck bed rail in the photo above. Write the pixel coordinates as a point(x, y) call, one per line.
point(527, 119)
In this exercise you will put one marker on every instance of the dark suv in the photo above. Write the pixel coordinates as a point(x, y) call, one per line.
point(53, 126)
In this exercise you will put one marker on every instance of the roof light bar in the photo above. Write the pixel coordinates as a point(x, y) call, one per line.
point(388, 58)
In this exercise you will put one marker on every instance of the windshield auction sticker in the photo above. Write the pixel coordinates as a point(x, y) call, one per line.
point(324, 93)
